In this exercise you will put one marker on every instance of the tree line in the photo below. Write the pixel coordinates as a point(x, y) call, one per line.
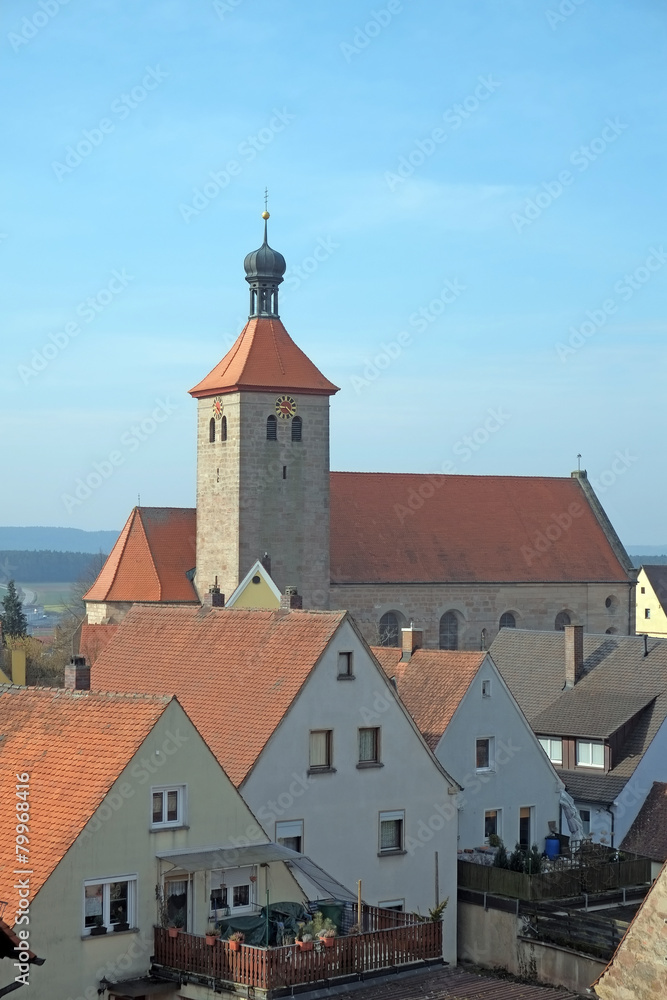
point(45, 566)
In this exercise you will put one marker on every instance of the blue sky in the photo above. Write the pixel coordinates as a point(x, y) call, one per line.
point(483, 184)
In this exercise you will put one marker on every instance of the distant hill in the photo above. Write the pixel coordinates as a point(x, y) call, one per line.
point(647, 555)
point(644, 560)
point(43, 566)
point(57, 540)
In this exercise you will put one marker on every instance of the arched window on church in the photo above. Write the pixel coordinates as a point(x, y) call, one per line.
point(389, 629)
point(297, 426)
point(562, 619)
point(449, 631)
point(223, 429)
point(211, 429)
point(271, 428)
point(507, 620)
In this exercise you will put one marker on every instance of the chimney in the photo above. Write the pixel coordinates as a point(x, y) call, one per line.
point(77, 674)
point(214, 599)
point(266, 562)
point(411, 641)
point(574, 654)
point(18, 667)
point(291, 600)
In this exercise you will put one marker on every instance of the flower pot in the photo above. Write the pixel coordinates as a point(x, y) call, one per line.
point(95, 931)
point(234, 945)
point(211, 939)
point(121, 927)
point(328, 942)
point(305, 945)
point(172, 932)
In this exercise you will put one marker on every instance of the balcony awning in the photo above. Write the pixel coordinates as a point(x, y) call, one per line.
point(227, 857)
point(216, 858)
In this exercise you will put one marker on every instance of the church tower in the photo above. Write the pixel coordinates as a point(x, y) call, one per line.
point(263, 453)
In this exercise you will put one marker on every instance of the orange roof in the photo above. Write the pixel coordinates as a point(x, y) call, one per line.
point(465, 529)
point(431, 684)
point(149, 562)
point(94, 639)
point(74, 745)
point(235, 671)
point(266, 358)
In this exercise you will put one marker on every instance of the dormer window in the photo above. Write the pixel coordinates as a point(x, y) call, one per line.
point(590, 753)
point(271, 428)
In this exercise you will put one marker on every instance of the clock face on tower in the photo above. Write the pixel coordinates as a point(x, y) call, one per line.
point(217, 407)
point(285, 407)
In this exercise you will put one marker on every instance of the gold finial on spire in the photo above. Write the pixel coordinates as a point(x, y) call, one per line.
point(265, 213)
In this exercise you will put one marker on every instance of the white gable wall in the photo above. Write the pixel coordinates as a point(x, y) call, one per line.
point(341, 810)
point(521, 774)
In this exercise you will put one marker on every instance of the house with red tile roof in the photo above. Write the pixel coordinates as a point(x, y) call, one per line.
point(648, 834)
point(469, 718)
point(107, 800)
point(459, 556)
point(310, 729)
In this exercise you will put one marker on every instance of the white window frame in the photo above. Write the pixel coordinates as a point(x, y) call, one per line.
point(132, 881)
point(236, 878)
point(499, 823)
point(546, 742)
point(288, 829)
point(392, 816)
point(166, 824)
point(491, 765)
point(591, 744)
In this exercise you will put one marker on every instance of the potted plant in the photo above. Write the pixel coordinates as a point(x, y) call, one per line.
point(305, 942)
point(98, 927)
point(212, 934)
point(175, 926)
point(236, 940)
point(355, 929)
point(327, 935)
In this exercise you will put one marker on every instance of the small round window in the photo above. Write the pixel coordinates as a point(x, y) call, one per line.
point(611, 603)
point(256, 579)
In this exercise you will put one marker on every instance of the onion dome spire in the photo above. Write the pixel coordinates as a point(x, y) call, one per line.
point(264, 270)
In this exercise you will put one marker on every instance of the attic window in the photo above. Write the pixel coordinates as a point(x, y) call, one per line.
point(486, 689)
point(647, 612)
point(256, 579)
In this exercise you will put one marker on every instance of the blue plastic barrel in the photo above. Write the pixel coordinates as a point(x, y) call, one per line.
point(551, 847)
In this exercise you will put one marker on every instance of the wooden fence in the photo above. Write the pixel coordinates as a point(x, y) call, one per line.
point(563, 883)
point(271, 968)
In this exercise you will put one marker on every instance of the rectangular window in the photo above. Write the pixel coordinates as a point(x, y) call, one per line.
point(484, 754)
point(369, 746)
point(168, 806)
point(176, 899)
point(391, 831)
point(320, 749)
point(525, 832)
point(486, 689)
point(647, 612)
point(590, 753)
point(345, 664)
point(241, 895)
point(643, 589)
point(289, 833)
point(398, 905)
point(553, 749)
point(585, 815)
point(491, 824)
point(109, 902)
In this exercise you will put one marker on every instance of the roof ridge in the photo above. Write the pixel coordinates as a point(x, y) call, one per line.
point(275, 346)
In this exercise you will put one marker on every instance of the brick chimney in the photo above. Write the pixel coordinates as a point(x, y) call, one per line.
point(574, 654)
point(291, 600)
point(411, 641)
point(77, 674)
point(214, 599)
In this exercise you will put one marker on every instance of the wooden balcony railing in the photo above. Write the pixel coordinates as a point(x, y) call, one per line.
point(271, 968)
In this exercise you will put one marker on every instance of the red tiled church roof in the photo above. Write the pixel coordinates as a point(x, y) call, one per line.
point(149, 562)
point(404, 528)
point(431, 684)
point(264, 357)
point(236, 671)
point(74, 745)
point(95, 639)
